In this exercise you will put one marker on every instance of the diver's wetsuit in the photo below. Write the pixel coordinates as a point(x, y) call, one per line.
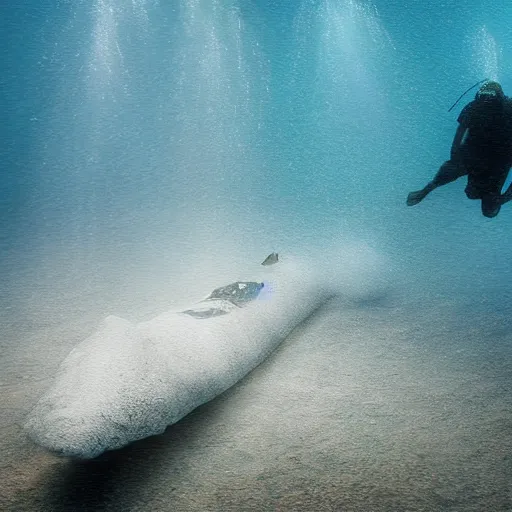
point(485, 154)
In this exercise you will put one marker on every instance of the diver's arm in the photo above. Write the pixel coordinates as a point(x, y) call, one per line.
point(457, 139)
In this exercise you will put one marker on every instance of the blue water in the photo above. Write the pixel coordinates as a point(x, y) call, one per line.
point(123, 118)
point(146, 141)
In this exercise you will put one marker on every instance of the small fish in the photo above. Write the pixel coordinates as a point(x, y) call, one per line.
point(271, 259)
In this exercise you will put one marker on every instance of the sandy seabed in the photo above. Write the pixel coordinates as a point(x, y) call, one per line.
point(404, 404)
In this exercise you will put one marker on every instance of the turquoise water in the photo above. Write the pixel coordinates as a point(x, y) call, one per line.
point(175, 119)
point(131, 123)
point(150, 149)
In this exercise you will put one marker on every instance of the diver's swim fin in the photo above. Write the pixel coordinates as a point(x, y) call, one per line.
point(416, 197)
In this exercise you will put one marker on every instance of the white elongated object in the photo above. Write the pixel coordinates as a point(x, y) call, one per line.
point(129, 381)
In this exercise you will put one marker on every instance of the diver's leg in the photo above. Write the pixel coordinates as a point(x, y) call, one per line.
point(492, 199)
point(447, 173)
point(491, 204)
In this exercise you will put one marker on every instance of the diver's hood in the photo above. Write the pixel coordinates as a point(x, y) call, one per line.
point(490, 91)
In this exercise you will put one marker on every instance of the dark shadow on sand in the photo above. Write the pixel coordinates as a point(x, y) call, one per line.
point(117, 479)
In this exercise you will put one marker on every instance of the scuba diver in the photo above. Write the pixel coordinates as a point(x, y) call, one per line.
point(481, 150)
